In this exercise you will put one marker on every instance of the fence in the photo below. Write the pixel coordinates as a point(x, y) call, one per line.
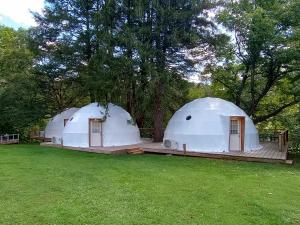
point(283, 140)
point(9, 138)
point(38, 136)
point(146, 132)
point(265, 135)
point(279, 136)
point(268, 135)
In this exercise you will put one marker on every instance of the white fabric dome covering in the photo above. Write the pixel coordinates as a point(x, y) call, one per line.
point(205, 125)
point(116, 127)
point(56, 125)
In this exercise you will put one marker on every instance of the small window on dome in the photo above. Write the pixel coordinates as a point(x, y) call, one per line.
point(71, 119)
point(188, 117)
point(131, 122)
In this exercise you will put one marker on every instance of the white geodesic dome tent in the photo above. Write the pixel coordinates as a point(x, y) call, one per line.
point(95, 125)
point(211, 125)
point(56, 125)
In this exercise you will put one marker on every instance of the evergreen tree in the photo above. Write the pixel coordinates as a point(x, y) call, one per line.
point(125, 51)
point(165, 30)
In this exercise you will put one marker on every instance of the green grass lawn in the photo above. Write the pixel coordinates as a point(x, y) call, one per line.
point(42, 185)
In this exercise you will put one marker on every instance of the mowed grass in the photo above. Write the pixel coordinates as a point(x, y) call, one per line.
point(43, 185)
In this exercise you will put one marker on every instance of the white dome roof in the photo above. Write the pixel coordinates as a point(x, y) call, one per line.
point(55, 126)
point(118, 127)
point(203, 125)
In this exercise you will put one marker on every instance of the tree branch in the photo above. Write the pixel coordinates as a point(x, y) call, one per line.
point(271, 79)
point(274, 113)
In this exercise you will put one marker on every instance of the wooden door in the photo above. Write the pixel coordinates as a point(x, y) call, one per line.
point(95, 133)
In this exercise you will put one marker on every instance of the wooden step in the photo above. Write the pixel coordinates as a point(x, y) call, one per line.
point(135, 151)
point(289, 162)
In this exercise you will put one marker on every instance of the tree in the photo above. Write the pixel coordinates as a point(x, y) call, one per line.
point(63, 44)
point(124, 51)
point(166, 30)
point(266, 38)
point(21, 105)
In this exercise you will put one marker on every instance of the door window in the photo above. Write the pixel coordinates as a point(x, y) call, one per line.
point(96, 127)
point(234, 127)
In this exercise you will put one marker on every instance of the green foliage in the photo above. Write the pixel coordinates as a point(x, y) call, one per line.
point(21, 105)
point(127, 52)
point(263, 77)
point(289, 120)
point(138, 54)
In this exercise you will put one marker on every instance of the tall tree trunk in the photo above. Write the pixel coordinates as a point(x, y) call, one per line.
point(238, 96)
point(140, 95)
point(158, 113)
point(129, 100)
point(130, 76)
point(92, 96)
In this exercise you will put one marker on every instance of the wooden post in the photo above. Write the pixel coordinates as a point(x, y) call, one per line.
point(184, 149)
point(280, 141)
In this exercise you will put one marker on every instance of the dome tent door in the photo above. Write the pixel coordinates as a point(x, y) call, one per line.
point(95, 133)
point(236, 133)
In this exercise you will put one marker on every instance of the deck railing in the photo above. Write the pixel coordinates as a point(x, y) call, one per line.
point(9, 138)
point(37, 133)
point(283, 140)
point(268, 135)
point(265, 135)
point(38, 136)
point(278, 136)
point(146, 132)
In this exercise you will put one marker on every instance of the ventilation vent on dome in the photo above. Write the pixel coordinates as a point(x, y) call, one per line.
point(188, 117)
point(167, 143)
point(131, 122)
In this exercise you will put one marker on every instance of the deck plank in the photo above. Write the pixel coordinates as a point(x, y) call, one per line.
point(269, 153)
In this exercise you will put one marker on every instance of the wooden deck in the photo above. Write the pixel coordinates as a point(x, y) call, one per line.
point(40, 138)
point(269, 153)
point(103, 150)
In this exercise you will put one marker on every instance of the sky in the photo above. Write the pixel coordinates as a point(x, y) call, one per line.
point(16, 13)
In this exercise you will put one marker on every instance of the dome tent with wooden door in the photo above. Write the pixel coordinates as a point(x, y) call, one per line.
point(211, 125)
point(56, 125)
point(97, 126)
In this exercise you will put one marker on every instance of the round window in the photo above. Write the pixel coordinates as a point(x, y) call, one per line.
point(188, 117)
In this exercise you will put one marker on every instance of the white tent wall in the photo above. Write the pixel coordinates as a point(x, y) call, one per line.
point(225, 120)
point(76, 132)
point(208, 128)
point(55, 126)
point(251, 137)
point(117, 129)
